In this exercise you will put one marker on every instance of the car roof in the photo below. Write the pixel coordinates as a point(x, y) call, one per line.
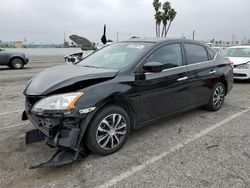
point(160, 40)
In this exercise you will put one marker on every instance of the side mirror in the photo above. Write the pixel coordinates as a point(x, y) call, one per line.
point(153, 67)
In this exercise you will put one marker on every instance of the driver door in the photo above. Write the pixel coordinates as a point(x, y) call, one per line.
point(166, 92)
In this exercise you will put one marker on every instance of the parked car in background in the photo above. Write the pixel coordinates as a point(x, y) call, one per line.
point(122, 87)
point(86, 46)
point(240, 56)
point(73, 58)
point(13, 60)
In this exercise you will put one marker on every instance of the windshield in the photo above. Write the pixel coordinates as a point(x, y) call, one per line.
point(116, 56)
point(237, 52)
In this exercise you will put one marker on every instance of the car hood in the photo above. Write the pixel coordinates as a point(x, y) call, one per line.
point(62, 76)
point(239, 60)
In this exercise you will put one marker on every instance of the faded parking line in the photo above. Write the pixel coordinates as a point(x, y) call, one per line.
point(11, 126)
point(10, 112)
point(157, 158)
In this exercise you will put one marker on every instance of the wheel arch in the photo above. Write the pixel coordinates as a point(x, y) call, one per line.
point(13, 57)
point(117, 100)
point(224, 82)
point(122, 102)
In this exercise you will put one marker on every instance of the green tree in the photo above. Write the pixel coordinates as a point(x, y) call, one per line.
point(165, 17)
point(158, 16)
point(172, 15)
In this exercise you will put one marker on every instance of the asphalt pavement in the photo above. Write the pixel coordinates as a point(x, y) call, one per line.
point(195, 149)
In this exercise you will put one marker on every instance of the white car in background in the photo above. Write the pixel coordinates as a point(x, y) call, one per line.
point(76, 57)
point(218, 49)
point(240, 57)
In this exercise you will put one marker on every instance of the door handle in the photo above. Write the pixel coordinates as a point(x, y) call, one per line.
point(212, 72)
point(183, 78)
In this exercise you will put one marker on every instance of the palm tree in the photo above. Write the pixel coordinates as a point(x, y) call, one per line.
point(157, 6)
point(172, 14)
point(165, 17)
point(158, 18)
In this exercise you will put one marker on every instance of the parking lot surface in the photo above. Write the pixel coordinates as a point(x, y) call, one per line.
point(194, 149)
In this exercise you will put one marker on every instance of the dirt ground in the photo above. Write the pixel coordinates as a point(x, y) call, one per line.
point(195, 149)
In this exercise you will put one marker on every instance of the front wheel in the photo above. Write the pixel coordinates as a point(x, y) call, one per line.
point(217, 97)
point(109, 130)
point(16, 63)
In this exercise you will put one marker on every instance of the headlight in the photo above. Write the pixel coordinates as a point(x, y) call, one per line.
point(243, 66)
point(60, 102)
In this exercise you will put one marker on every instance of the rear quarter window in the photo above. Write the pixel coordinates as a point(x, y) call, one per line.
point(211, 53)
point(195, 53)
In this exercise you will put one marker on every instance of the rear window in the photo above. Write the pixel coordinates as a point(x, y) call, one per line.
point(195, 53)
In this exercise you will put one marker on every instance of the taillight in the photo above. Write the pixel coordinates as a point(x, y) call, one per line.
point(231, 64)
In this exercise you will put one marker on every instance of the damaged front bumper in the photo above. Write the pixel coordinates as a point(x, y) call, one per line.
point(62, 132)
point(59, 132)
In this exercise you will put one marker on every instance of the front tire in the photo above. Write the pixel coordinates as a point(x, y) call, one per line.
point(17, 63)
point(108, 131)
point(217, 97)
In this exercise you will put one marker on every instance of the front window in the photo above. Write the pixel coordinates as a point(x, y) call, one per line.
point(116, 56)
point(236, 52)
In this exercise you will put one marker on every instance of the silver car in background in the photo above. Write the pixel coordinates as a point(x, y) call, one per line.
point(14, 60)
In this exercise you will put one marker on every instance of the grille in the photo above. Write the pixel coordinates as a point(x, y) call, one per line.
point(239, 75)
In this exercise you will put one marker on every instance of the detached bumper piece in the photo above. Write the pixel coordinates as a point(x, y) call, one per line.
point(34, 136)
point(64, 157)
point(61, 157)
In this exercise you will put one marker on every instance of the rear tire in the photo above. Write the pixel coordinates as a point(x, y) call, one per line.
point(108, 131)
point(16, 63)
point(217, 97)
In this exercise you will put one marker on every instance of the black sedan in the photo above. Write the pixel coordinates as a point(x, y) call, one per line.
point(122, 87)
point(13, 60)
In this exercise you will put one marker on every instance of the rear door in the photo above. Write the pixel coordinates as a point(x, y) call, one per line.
point(202, 72)
point(164, 93)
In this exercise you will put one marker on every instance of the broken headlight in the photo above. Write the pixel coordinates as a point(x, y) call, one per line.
point(57, 103)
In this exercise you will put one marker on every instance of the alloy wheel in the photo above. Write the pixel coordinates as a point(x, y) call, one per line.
point(218, 96)
point(111, 131)
point(17, 63)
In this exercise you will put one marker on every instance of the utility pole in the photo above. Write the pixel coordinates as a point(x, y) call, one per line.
point(64, 40)
point(117, 36)
point(193, 35)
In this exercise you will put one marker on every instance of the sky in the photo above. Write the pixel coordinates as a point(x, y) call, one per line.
point(46, 21)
